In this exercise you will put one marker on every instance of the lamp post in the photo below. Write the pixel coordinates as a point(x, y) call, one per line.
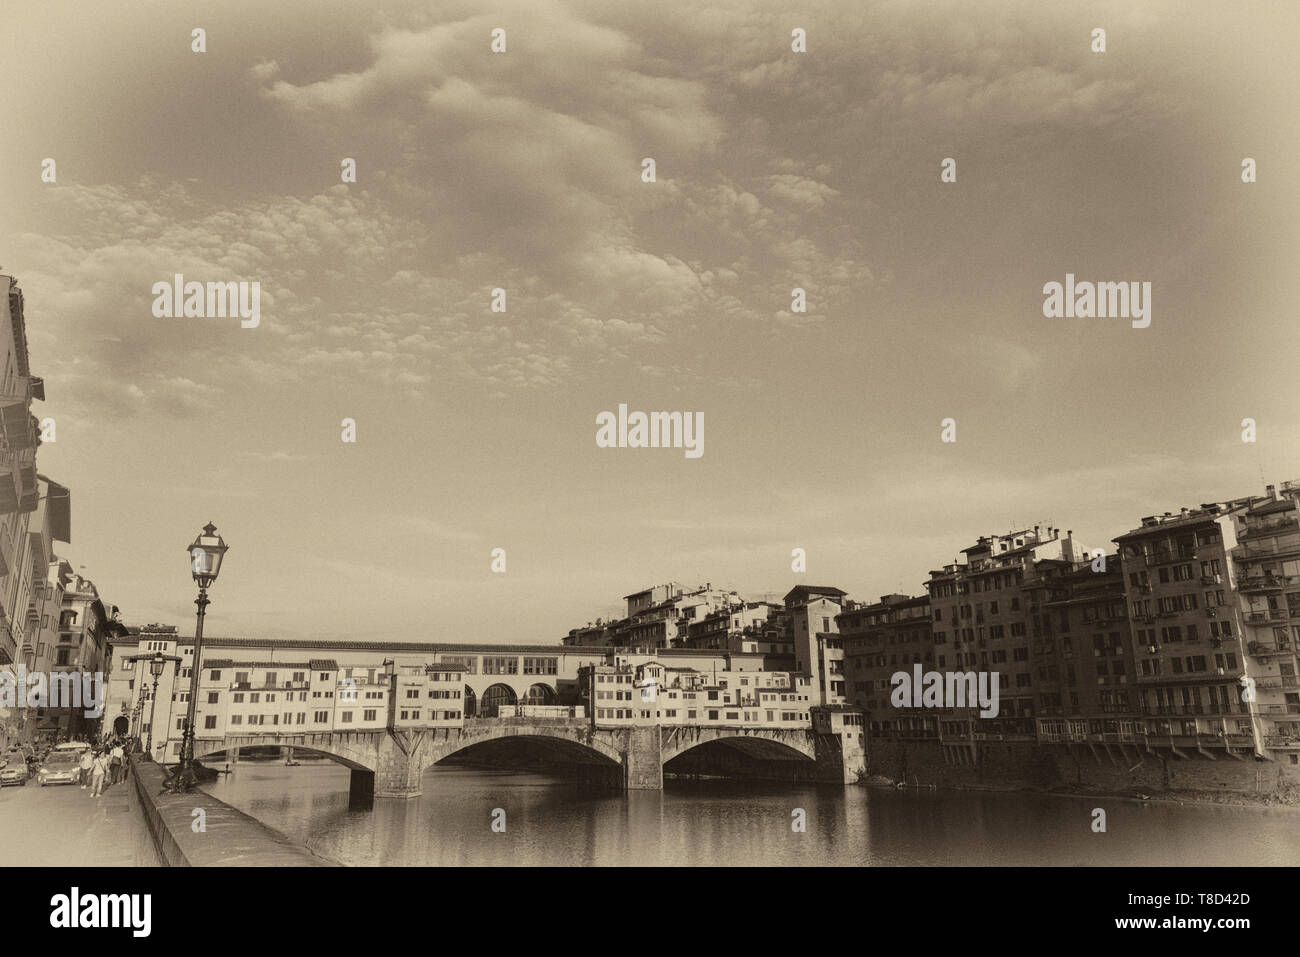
point(133, 729)
point(156, 665)
point(205, 553)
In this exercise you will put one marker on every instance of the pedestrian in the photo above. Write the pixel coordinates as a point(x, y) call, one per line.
point(98, 772)
point(87, 762)
point(117, 763)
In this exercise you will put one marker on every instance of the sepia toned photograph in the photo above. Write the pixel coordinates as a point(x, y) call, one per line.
point(598, 433)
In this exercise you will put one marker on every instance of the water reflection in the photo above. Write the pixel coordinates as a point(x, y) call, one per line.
point(550, 820)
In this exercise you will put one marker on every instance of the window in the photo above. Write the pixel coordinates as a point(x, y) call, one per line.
point(212, 697)
point(541, 666)
point(209, 722)
point(500, 665)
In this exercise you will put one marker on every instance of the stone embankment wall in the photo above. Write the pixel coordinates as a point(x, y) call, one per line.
point(228, 837)
point(1020, 765)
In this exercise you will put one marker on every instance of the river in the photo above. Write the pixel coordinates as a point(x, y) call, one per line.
point(550, 820)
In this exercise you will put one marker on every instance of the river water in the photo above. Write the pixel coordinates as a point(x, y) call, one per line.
point(551, 820)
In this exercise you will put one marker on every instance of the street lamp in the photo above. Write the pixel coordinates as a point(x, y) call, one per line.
point(157, 664)
point(205, 554)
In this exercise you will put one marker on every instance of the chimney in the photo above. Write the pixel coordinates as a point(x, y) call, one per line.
point(1271, 491)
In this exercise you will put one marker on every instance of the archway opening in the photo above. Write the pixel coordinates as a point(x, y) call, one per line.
point(496, 696)
point(471, 703)
point(741, 757)
point(540, 694)
point(552, 759)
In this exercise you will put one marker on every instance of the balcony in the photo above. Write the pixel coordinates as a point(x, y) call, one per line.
point(1277, 683)
point(1266, 618)
point(1263, 649)
point(1274, 527)
point(1260, 585)
point(1278, 709)
point(1260, 550)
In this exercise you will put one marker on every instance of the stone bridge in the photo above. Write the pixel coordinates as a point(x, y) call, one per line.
point(391, 763)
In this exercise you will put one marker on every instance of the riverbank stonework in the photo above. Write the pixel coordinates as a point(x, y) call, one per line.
point(1032, 766)
point(229, 836)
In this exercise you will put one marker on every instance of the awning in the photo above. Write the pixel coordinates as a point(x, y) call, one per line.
point(58, 506)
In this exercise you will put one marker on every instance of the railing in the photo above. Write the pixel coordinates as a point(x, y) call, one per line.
point(1260, 648)
point(1260, 584)
point(538, 711)
point(1269, 528)
point(1276, 682)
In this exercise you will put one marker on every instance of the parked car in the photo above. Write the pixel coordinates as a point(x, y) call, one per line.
point(61, 767)
point(15, 771)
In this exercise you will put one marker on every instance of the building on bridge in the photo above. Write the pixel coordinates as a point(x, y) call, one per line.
point(638, 689)
point(270, 686)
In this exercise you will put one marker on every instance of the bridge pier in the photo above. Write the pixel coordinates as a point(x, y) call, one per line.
point(643, 766)
point(361, 789)
point(401, 765)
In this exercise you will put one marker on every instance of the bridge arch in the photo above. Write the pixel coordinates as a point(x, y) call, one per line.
point(760, 743)
point(358, 751)
point(574, 741)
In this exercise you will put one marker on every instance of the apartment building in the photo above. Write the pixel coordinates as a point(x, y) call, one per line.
point(20, 488)
point(1266, 568)
point(1085, 676)
point(881, 639)
point(1180, 587)
point(752, 626)
point(657, 617)
point(982, 621)
point(818, 649)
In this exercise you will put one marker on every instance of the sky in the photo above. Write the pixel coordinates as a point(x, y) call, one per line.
point(522, 170)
